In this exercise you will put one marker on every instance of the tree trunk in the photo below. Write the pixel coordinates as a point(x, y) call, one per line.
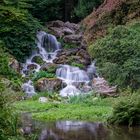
point(69, 5)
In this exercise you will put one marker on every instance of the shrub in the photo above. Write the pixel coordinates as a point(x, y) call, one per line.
point(81, 66)
point(62, 9)
point(8, 119)
point(42, 74)
point(5, 70)
point(17, 29)
point(118, 55)
point(85, 7)
point(126, 111)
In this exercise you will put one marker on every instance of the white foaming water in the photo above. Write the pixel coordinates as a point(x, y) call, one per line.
point(69, 90)
point(28, 88)
point(47, 48)
point(71, 75)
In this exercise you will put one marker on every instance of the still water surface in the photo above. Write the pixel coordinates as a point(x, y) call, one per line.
point(77, 130)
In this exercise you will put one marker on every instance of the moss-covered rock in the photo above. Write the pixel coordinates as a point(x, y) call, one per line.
point(38, 60)
point(48, 84)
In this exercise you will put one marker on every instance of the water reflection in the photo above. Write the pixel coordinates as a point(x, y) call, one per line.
point(70, 130)
point(77, 130)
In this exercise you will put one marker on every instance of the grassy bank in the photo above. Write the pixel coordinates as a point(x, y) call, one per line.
point(86, 109)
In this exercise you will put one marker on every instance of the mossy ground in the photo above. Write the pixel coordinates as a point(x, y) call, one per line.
point(95, 110)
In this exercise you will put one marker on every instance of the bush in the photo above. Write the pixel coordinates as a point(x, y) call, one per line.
point(126, 111)
point(81, 66)
point(42, 74)
point(118, 55)
point(64, 10)
point(5, 70)
point(17, 29)
point(85, 7)
point(8, 119)
point(47, 10)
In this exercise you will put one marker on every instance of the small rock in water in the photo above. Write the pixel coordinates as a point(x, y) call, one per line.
point(42, 99)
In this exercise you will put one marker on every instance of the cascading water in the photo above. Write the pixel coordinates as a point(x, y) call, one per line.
point(47, 48)
point(72, 76)
point(28, 88)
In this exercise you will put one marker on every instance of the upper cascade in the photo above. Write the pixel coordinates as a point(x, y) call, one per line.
point(47, 48)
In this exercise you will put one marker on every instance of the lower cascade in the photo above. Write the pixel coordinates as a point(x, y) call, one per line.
point(28, 88)
point(75, 79)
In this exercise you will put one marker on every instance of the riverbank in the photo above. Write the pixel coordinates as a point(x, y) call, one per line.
point(87, 109)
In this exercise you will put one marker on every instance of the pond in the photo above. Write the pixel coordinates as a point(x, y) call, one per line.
point(77, 130)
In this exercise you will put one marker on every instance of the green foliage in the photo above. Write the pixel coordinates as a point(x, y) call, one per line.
point(42, 74)
point(74, 112)
point(47, 10)
point(69, 46)
point(65, 111)
point(127, 111)
point(81, 66)
point(5, 70)
point(49, 95)
point(8, 119)
point(85, 7)
point(52, 69)
point(17, 29)
point(118, 55)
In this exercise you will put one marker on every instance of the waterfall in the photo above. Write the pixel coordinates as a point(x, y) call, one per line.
point(71, 76)
point(46, 49)
point(28, 88)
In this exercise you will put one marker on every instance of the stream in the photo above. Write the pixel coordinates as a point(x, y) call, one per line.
point(76, 130)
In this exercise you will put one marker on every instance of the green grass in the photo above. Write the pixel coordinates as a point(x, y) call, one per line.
point(75, 112)
point(96, 109)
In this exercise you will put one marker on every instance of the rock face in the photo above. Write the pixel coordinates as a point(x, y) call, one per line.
point(69, 32)
point(79, 56)
point(101, 86)
point(14, 64)
point(50, 67)
point(113, 12)
point(48, 84)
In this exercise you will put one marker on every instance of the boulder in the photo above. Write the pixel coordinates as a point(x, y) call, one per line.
point(57, 32)
point(75, 38)
point(51, 67)
point(61, 60)
point(38, 60)
point(31, 67)
point(84, 54)
point(14, 64)
point(101, 86)
point(56, 23)
point(67, 31)
point(43, 99)
point(48, 84)
point(72, 26)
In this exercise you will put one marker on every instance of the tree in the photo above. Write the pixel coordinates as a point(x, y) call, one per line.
point(18, 28)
